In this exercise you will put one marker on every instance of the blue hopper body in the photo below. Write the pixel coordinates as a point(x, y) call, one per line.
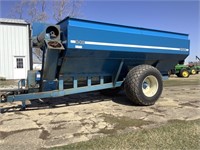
point(83, 56)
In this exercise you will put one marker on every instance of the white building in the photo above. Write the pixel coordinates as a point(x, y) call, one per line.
point(15, 55)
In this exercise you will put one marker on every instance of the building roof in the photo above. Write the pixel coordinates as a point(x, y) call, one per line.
point(12, 21)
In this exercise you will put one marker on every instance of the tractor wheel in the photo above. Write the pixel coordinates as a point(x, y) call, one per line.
point(184, 73)
point(193, 71)
point(110, 92)
point(143, 85)
point(178, 74)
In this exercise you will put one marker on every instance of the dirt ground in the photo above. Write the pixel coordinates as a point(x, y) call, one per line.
point(60, 121)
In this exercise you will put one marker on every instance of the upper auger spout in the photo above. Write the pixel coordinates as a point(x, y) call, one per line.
point(52, 34)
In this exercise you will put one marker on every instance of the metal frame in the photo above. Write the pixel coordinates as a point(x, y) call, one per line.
point(62, 92)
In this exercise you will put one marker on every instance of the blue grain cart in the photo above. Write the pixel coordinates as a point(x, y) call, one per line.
point(83, 56)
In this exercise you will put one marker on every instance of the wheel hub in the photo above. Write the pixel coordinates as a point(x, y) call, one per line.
point(150, 86)
point(185, 73)
point(193, 71)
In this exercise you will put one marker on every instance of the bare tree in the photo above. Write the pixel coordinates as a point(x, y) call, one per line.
point(18, 10)
point(43, 14)
point(31, 11)
point(36, 11)
point(75, 8)
point(41, 10)
point(64, 8)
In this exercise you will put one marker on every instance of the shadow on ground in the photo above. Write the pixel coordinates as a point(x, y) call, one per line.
point(70, 100)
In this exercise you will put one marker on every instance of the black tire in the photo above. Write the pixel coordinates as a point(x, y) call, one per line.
point(184, 73)
point(110, 92)
point(135, 85)
point(3, 98)
point(178, 75)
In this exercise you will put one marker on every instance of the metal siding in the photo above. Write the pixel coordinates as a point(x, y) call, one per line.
point(1, 52)
point(14, 42)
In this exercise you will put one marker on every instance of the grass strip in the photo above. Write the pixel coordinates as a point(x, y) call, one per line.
point(173, 135)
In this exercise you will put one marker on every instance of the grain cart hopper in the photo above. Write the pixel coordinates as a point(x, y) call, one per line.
point(83, 56)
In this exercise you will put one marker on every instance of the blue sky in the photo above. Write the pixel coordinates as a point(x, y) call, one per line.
point(171, 15)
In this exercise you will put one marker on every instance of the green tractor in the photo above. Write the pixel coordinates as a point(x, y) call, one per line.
point(197, 69)
point(194, 69)
point(181, 71)
point(194, 66)
point(185, 71)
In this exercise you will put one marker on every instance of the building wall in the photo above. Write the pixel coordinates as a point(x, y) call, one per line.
point(14, 46)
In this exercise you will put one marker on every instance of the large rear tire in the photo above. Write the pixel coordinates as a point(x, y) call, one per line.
point(143, 85)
